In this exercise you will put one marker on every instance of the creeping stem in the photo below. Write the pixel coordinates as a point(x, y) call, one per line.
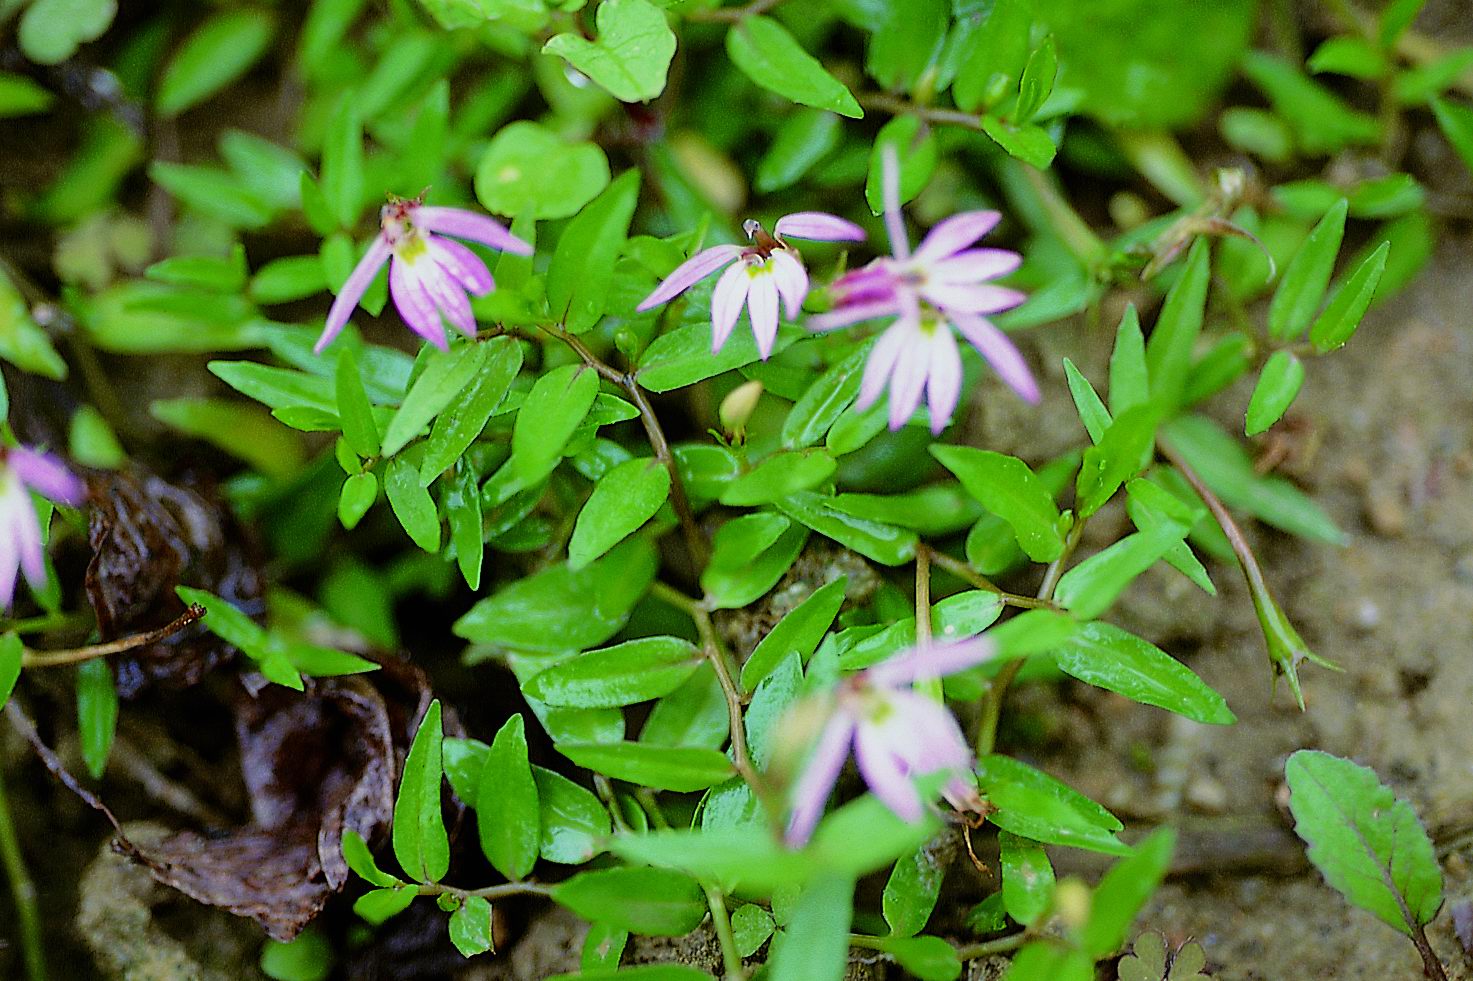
point(73, 655)
point(23, 892)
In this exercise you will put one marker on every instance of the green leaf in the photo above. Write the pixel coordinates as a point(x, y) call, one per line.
point(1347, 55)
point(1129, 379)
point(907, 43)
point(1047, 961)
point(412, 505)
point(634, 671)
point(1108, 657)
point(798, 632)
point(360, 860)
point(307, 958)
point(766, 53)
point(681, 768)
point(1169, 350)
point(1123, 450)
point(1305, 281)
point(275, 387)
point(1027, 877)
point(1365, 840)
point(562, 609)
point(1030, 144)
point(1227, 469)
point(380, 905)
point(22, 342)
point(622, 500)
point(446, 374)
point(824, 401)
point(915, 152)
point(1092, 411)
point(218, 52)
point(912, 890)
point(815, 945)
point(342, 163)
point(354, 409)
point(1123, 891)
point(463, 512)
point(420, 842)
point(1456, 122)
point(554, 408)
point(1092, 586)
point(1006, 487)
point(1034, 805)
point(1349, 303)
point(1396, 17)
point(751, 925)
point(97, 714)
point(652, 902)
point(749, 555)
point(695, 714)
point(471, 927)
point(993, 57)
point(288, 279)
point(603, 947)
point(458, 425)
point(1278, 384)
point(218, 274)
point(1037, 82)
point(529, 170)
point(239, 428)
point(926, 958)
point(582, 268)
point(1321, 122)
point(19, 96)
point(631, 54)
point(51, 30)
point(359, 492)
point(643, 972)
point(93, 443)
point(875, 540)
point(803, 139)
point(779, 476)
point(683, 356)
point(507, 805)
point(574, 824)
point(12, 652)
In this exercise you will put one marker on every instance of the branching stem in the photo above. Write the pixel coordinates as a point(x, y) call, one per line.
point(75, 655)
point(969, 575)
point(492, 893)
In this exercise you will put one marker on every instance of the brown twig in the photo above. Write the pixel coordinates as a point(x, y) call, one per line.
point(971, 576)
point(74, 655)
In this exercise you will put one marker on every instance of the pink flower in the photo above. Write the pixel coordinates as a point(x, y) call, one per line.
point(22, 471)
point(897, 735)
point(942, 284)
point(764, 271)
point(429, 275)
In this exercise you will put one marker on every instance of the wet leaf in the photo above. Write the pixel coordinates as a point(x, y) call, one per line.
point(420, 842)
point(770, 56)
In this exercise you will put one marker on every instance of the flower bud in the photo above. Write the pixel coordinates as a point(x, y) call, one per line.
point(737, 408)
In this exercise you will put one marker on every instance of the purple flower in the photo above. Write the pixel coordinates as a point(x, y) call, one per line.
point(763, 272)
point(429, 275)
point(942, 284)
point(897, 735)
point(23, 471)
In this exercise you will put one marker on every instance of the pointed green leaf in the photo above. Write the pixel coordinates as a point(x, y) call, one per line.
point(1037, 81)
point(574, 824)
point(1129, 382)
point(799, 631)
point(766, 53)
point(218, 52)
point(97, 714)
point(622, 500)
point(1308, 276)
point(1349, 303)
point(412, 505)
point(1092, 586)
point(1092, 411)
point(681, 768)
point(1123, 891)
point(1005, 486)
point(556, 405)
point(1456, 122)
point(1027, 877)
point(354, 410)
point(912, 890)
point(446, 374)
point(507, 808)
point(420, 842)
point(342, 163)
point(12, 652)
point(634, 671)
point(1277, 387)
point(1169, 350)
point(1108, 657)
point(631, 54)
point(582, 268)
point(459, 424)
point(651, 902)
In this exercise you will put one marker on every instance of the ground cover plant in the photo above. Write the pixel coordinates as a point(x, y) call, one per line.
point(477, 464)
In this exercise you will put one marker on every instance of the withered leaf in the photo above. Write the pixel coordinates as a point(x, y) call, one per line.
point(148, 536)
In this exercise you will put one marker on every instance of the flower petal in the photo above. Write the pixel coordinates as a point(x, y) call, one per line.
point(908, 380)
point(45, 474)
point(885, 774)
point(818, 226)
point(689, 273)
point(13, 508)
point(954, 234)
point(936, 660)
point(975, 265)
point(792, 281)
point(881, 363)
point(353, 289)
point(944, 385)
point(415, 303)
point(450, 299)
point(890, 195)
point(982, 299)
point(817, 781)
point(27, 531)
point(468, 224)
point(726, 303)
point(462, 264)
point(1000, 352)
point(845, 316)
point(762, 307)
point(923, 733)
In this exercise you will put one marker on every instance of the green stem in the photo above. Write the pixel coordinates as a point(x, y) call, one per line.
point(731, 958)
point(493, 893)
point(987, 948)
point(926, 686)
point(1080, 239)
point(970, 576)
point(992, 701)
point(23, 890)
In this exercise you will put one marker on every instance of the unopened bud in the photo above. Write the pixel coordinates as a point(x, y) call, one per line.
point(737, 408)
point(1072, 903)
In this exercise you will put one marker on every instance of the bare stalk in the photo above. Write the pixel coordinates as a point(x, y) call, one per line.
point(74, 655)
